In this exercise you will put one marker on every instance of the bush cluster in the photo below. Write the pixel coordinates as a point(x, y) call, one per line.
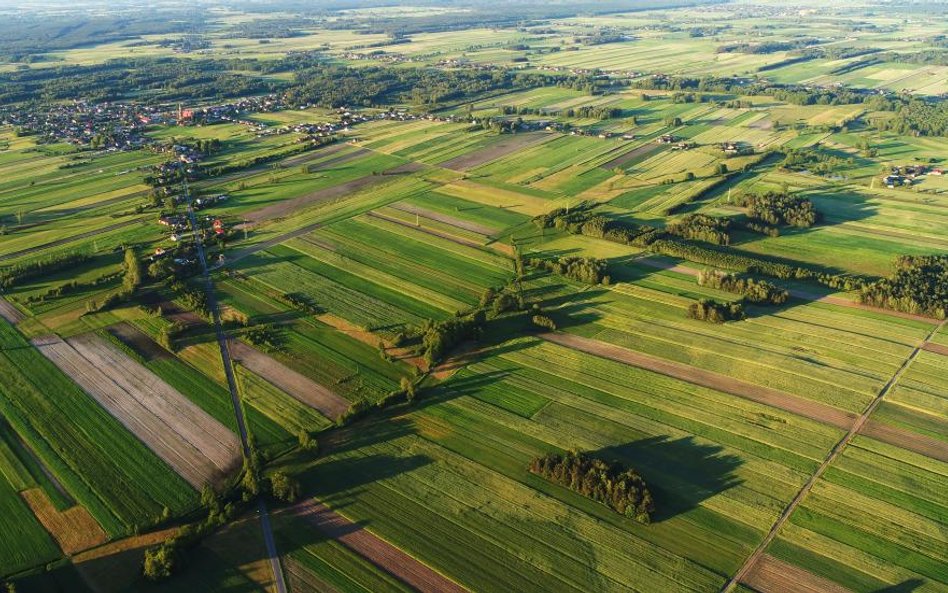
point(701, 227)
point(781, 209)
point(753, 290)
point(588, 270)
point(624, 491)
point(715, 312)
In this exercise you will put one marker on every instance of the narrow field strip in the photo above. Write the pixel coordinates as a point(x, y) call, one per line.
point(772, 397)
point(197, 447)
point(377, 551)
point(9, 312)
point(286, 379)
point(771, 575)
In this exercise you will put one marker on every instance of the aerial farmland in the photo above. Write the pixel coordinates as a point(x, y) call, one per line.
point(633, 296)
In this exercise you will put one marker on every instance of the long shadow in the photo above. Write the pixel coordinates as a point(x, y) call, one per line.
point(904, 587)
point(680, 472)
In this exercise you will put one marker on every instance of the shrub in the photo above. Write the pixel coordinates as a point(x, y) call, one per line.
point(544, 322)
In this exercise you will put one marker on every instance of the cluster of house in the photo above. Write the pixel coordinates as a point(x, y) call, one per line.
point(107, 126)
point(378, 56)
point(907, 174)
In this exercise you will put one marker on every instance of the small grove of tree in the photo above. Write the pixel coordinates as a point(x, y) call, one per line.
point(622, 490)
point(701, 227)
point(715, 312)
point(753, 290)
point(780, 209)
point(439, 337)
point(919, 286)
point(581, 220)
point(587, 270)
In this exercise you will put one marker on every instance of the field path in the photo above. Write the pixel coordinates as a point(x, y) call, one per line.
point(765, 395)
point(376, 550)
point(301, 387)
point(834, 453)
point(427, 231)
point(796, 293)
point(272, 555)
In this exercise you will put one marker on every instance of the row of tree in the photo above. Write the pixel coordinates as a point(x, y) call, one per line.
point(622, 490)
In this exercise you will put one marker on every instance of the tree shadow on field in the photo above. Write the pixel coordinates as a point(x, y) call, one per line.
point(680, 473)
point(907, 586)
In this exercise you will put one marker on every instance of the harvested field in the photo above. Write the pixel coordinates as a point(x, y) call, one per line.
point(639, 152)
point(316, 154)
point(765, 395)
point(502, 148)
point(135, 339)
point(449, 220)
point(405, 169)
point(288, 207)
point(73, 529)
point(452, 238)
point(9, 312)
point(286, 379)
point(196, 446)
point(378, 551)
point(924, 445)
point(936, 348)
point(337, 160)
point(770, 575)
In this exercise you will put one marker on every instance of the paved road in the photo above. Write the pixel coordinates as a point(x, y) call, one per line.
point(833, 454)
point(212, 304)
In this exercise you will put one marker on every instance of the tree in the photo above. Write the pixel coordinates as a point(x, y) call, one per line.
point(284, 488)
point(306, 441)
point(409, 388)
point(159, 563)
point(133, 271)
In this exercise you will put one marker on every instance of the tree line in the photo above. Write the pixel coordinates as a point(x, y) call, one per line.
point(715, 312)
point(753, 290)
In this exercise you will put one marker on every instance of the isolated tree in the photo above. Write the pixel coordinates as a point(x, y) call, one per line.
point(159, 563)
point(409, 388)
point(284, 488)
point(307, 443)
point(133, 271)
